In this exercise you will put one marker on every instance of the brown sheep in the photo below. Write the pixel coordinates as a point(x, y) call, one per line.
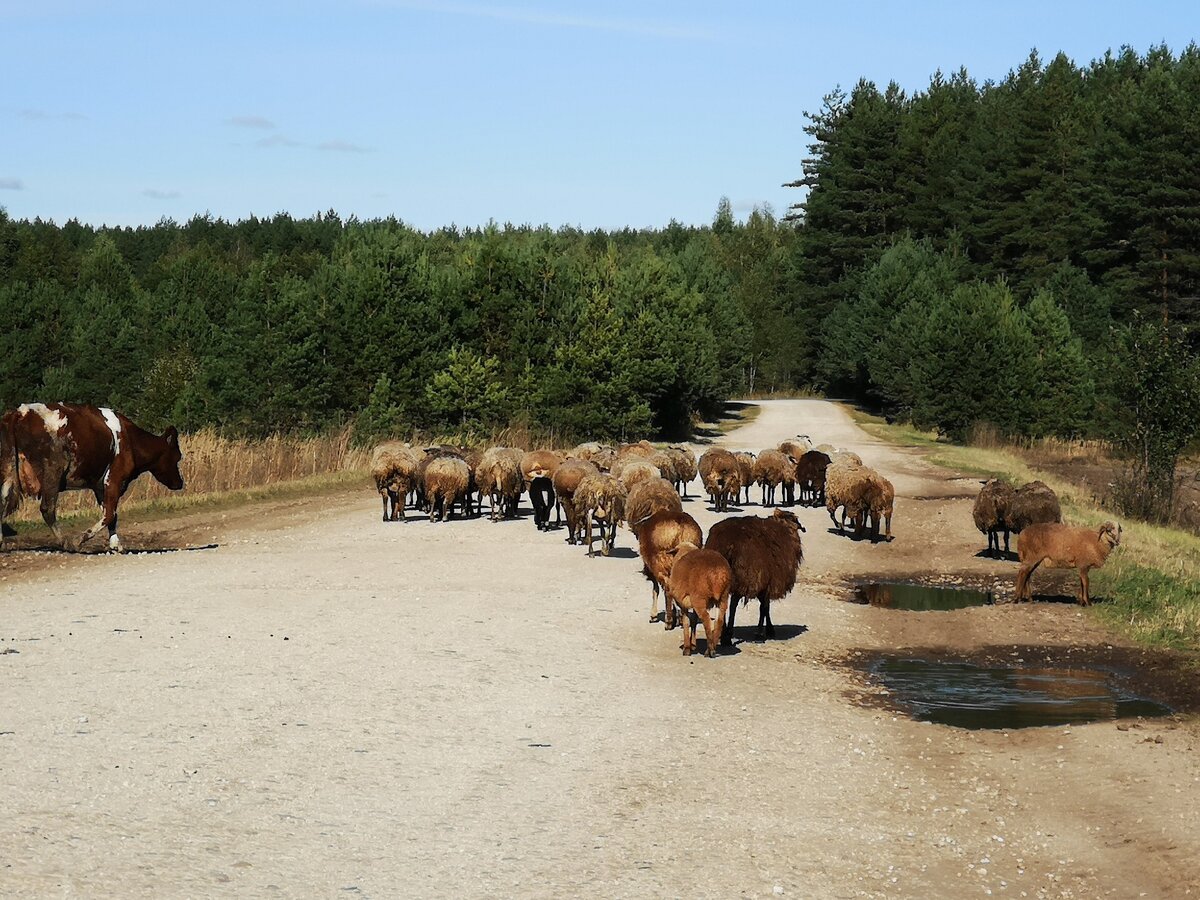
point(664, 462)
point(657, 538)
point(566, 482)
point(601, 499)
point(879, 500)
point(795, 447)
point(392, 466)
point(642, 449)
point(700, 585)
point(585, 451)
point(447, 479)
point(472, 457)
point(810, 476)
point(538, 468)
point(845, 488)
point(648, 497)
point(764, 554)
point(684, 467)
point(771, 470)
point(992, 511)
point(846, 456)
point(745, 464)
point(423, 464)
point(1033, 504)
point(632, 470)
point(499, 477)
point(722, 479)
point(1060, 546)
point(604, 458)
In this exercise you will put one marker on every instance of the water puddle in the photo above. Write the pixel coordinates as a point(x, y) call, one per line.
point(919, 598)
point(970, 696)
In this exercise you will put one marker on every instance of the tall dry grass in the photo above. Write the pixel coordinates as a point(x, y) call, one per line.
point(213, 464)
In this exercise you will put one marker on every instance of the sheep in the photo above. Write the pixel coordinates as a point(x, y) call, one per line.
point(538, 468)
point(632, 470)
point(421, 497)
point(772, 469)
point(700, 584)
point(641, 448)
point(664, 462)
point(745, 464)
point(795, 447)
point(722, 479)
point(1033, 504)
point(992, 512)
point(601, 498)
point(499, 477)
point(810, 476)
point(684, 468)
point(1060, 546)
point(392, 466)
point(604, 458)
point(472, 457)
point(764, 555)
point(648, 497)
point(585, 451)
point(566, 482)
point(846, 456)
point(879, 500)
point(658, 537)
point(845, 485)
point(447, 479)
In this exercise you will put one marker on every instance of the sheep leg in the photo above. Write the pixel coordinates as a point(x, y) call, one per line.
point(706, 621)
point(384, 495)
point(654, 588)
point(689, 632)
point(1024, 574)
point(765, 627)
point(1006, 550)
point(609, 534)
point(1084, 599)
point(727, 631)
point(587, 520)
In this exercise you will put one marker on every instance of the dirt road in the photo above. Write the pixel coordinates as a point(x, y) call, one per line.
point(328, 705)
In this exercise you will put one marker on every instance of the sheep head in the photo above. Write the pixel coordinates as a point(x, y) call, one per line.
point(1110, 534)
point(790, 517)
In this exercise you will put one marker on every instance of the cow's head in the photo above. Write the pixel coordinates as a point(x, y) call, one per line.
point(166, 467)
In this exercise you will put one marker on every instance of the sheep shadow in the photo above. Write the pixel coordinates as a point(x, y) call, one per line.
point(100, 548)
point(748, 634)
point(1010, 556)
point(1065, 599)
point(849, 533)
point(620, 553)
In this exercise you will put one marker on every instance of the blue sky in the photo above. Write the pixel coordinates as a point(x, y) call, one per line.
point(600, 114)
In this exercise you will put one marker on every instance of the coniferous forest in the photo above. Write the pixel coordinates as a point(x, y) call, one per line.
point(1022, 253)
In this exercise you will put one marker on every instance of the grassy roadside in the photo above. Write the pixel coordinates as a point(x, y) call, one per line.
point(1151, 584)
point(159, 508)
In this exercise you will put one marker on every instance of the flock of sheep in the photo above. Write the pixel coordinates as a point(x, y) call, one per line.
point(595, 487)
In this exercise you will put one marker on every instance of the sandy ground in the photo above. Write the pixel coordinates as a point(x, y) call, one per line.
point(328, 705)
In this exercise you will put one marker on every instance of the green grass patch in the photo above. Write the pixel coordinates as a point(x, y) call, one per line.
point(1150, 584)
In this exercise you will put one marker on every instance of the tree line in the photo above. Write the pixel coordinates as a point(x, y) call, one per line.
point(262, 326)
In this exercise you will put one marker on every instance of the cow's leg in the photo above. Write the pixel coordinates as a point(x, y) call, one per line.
point(49, 507)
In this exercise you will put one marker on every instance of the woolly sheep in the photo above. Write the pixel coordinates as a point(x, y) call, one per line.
point(600, 499)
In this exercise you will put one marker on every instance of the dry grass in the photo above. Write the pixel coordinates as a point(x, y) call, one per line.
point(214, 465)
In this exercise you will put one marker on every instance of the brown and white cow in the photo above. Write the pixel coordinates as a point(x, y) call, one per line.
point(47, 448)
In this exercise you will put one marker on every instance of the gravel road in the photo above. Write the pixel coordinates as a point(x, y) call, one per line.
point(327, 705)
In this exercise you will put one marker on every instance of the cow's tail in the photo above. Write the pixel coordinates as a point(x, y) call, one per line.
point(10, 467)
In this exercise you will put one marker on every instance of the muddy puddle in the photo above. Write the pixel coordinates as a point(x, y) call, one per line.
point(917, 597)
point(971, 696)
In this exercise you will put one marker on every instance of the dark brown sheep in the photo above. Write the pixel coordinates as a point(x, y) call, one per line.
point(764, 554)
point(992, 510)
point(566, 482)
point(1033, 504)
point(657, 538)
point(810, 476)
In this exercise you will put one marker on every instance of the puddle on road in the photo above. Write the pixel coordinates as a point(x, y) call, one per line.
point(969, 696)
point(918, 598)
